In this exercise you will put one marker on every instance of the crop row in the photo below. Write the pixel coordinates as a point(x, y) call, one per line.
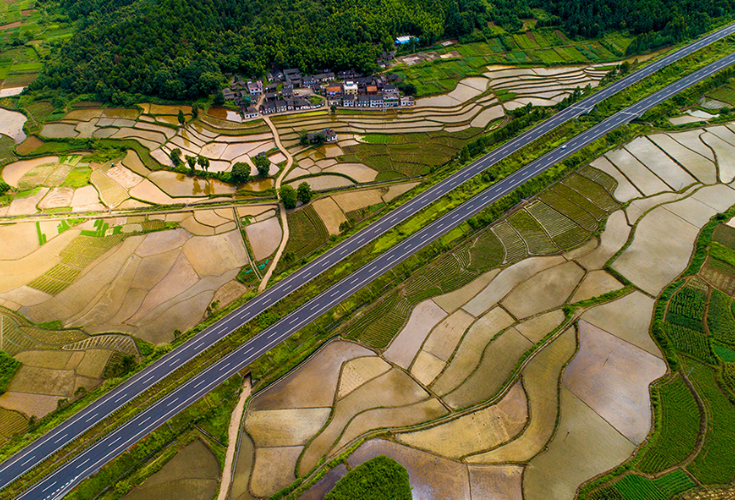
point(534, 235)
point(725, 235)
point(306, 232)
point(689, 342)
point(687, 308)
point(572, 238)
point(487, 252)
point(555, 198)
point(552, 221)
point(515, 248)
point(677, 423)
point(11, 423)
point(715, 463)
point(720, 319)
point(720, 275)
point(597, 176)
point(581, 200)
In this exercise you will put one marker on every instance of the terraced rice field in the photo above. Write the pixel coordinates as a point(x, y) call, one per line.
point(462, 338)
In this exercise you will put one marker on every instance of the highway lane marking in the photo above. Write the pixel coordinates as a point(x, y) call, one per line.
point(34, 456)
point(48, 487)
point(91, 417)
point(146, 420)
point(200, 383)
point(169, 404)
point(82, 464)
point(115, 441)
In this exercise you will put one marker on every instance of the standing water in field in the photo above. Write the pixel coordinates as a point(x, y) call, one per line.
point(11, 124)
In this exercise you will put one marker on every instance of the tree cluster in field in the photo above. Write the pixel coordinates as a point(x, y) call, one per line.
point(381, 478)
point(8, 367)
point(290, 196)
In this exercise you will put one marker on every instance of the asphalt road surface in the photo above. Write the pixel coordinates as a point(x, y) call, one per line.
point(61, 481)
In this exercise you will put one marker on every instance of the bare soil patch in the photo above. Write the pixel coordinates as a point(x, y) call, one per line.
point(507, 280)
point(537, 328)
point(192, 473)
point(628, 318)
point(541, 382)
point(330, 214)
point(501, 482)
point(660, 164)
point(471, 348)
point(452, 301)
point(393, 388)
point(215, 255)
point(358, 371)
point(17, 240)
point(476, 432)
point(643, 179)
point(380, 418)
point(264, 237)
point(355, 200)
point(659, 233)
point(612, 239)
point(289, 427)
point(699, 166)
point(445, 336)
point(624, 191)
point(407, 343)
point(612, 376)
point(313, 384)
point(498, 360)
point(546, 290)
point(431, 477)
point(585, 445)
point(595, 284)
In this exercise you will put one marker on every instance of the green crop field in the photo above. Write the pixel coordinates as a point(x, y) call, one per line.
point(725, 235)
point(307, 232)
point(634, 487)
point(715, 463)
point(677, 425)
point(728, 374)
point(673, 483)
point(689, 342)
point(687, 309)
point(537, 241)
point(725, 94)
point(725, 354)
point(592, 191)
point(720, 320)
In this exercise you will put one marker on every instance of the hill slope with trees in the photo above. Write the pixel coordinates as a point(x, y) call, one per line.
point(180, 49)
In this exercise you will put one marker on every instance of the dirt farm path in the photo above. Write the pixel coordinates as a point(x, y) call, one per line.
point(232, 435)
point(284, 222)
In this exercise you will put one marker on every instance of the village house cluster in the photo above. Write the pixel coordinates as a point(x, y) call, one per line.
point(348, 89)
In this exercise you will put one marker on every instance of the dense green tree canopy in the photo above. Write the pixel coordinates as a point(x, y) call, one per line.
point(181, 49)
point(593, 18)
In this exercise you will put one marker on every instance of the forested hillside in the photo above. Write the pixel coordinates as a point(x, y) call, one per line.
point(679, 18)
point(180, 49)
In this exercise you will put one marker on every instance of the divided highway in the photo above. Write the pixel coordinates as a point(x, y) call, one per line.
point(61, 481)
